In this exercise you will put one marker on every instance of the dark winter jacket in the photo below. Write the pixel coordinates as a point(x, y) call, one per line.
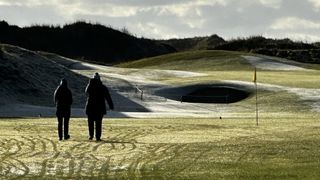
point(97, 94)
point(63, 98)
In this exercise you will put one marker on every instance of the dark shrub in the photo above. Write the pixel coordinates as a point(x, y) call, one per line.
point(1, 52)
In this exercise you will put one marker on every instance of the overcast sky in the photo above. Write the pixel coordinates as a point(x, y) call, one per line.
point(163, 19)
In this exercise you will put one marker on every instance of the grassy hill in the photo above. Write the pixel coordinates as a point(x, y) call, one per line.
point(279, 90)
point(29, 78)
point(228, 65)
point(204, 60)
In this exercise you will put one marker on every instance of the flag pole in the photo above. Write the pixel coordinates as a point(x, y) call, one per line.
point(257, 117)
point(256, 87)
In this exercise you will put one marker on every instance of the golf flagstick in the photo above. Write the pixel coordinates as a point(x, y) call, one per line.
point(255, 83)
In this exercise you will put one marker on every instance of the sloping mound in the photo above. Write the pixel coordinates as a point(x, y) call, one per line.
point(272, 64)
point(206, 60)
point(29, 78)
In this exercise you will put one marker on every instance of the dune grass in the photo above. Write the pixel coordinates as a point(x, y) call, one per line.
point(281, 147)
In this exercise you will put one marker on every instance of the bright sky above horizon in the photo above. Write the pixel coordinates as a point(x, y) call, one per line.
point(163, 19)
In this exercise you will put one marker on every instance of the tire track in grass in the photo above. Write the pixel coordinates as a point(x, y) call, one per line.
point(43, 145)
point(118, 139)
point(95, 148)
point(104, 169)
point(24, 168)
point(154, 157)
point(80, 167)
point(134, 146)
point(44, 164)
point(127, 138)
point(72, 148)
point(16, 169)
point(120, 168)
point(34, 143)
point(43, 151)
point(153, 152)
point(117, 136)
point(82, 158)
point(31, 144)
point(72, 166)
point(185, 166)
point(6, 166)
point(129, 135)
point(6, 159)
point(11, 168)
point(53, 144)
point(134, 170)
point(165, 156)
point(82, 152)
point(92, 168)
point(12, 147)
point(18, 145)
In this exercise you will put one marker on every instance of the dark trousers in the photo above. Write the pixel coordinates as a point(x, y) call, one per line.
point(95, 119)
point(63, 123)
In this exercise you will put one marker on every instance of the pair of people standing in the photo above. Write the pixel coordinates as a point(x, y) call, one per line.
point(95, 107)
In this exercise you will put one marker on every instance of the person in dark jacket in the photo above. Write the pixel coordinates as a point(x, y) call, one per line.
point(63, 101)
point(95, 107)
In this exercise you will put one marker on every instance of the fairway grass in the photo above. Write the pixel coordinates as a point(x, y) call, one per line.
point(283, 146)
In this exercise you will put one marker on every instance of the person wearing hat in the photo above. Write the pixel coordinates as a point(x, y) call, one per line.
point(63, 101)
point(95, 107)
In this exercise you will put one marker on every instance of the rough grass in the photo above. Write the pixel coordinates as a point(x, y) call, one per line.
point(283, 146)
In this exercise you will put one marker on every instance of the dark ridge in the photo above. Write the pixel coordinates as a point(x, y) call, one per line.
point(258, 42)
point(195, 43)
point(283, 48)
point(81, 40)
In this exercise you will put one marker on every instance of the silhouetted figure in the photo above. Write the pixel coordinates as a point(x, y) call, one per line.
point(95, 107)
point(63, 101)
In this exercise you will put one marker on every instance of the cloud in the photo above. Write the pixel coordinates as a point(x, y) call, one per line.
point(105, 9)
point(304, 37)
point(28, 3)
point(271, 3)
point(186, 8)
point(155, 30)
point(174, 18)
point(316, 4)
point(292, 23)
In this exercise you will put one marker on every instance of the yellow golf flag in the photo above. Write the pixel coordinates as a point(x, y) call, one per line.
point(255, 75)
